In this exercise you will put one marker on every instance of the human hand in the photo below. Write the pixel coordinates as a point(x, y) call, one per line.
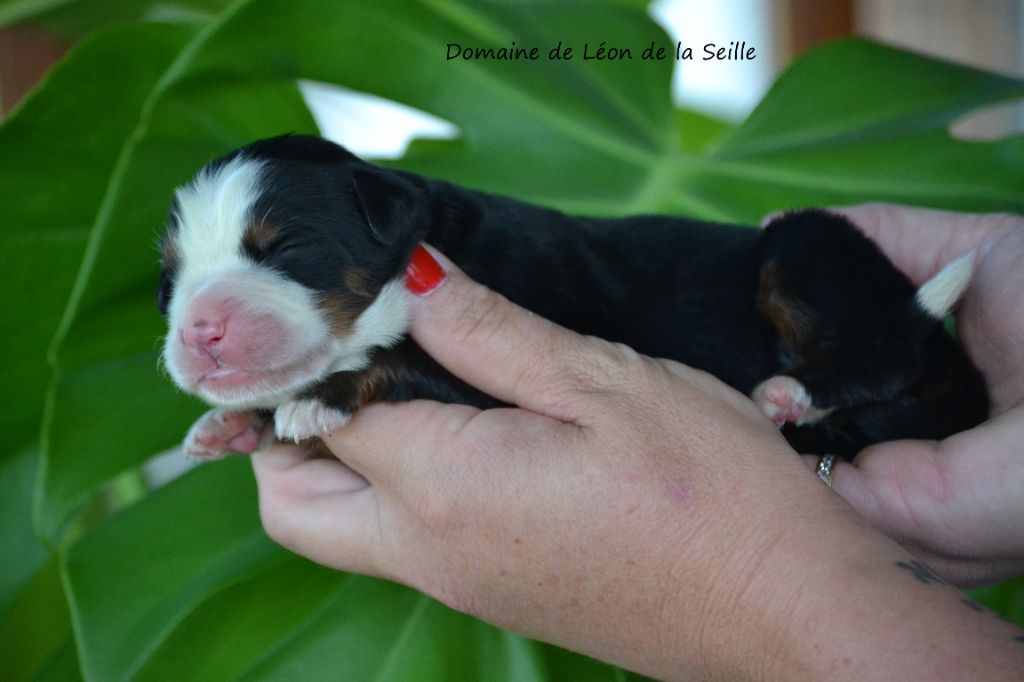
point(470, 506)
point(955, 503)
point(634, 509)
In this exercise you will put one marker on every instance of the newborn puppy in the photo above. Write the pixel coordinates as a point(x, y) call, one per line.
point(282, 283)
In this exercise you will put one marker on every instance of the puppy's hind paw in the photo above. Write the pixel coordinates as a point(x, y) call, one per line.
point(220, 432)
point(782, 399)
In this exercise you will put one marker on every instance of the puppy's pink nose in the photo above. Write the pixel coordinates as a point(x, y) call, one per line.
point(204, 334)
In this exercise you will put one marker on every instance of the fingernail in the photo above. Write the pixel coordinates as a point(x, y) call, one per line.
point(423, 274)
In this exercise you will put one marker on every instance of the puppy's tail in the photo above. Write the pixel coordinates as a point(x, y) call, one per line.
point(940, 294)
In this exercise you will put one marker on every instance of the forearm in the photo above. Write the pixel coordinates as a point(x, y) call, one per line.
point(832, 599)
point(803, 591)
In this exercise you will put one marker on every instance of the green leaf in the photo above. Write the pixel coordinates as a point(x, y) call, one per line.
point(62, 666)
point(247, 619)
point(882, 93)
point(23, 554)
point(59, 149)
point(80, 18)
point(38, 628)
point(819, 139)
point(697, 132)
point(392, 633)
point(12, 11)
point(131, 580)
point(33, 614)
point(1006, 599)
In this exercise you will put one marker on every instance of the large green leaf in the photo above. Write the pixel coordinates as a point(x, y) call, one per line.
point(407, 636)
point(38, 628)
point(33, 615)
point(79, 18)
point(187, 569)
point(12, 11)
point(21, 553)
point(58, 155)
point(132, 579)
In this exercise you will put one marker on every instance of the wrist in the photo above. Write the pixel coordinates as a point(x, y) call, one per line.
point(851, 604)
point(760, 622)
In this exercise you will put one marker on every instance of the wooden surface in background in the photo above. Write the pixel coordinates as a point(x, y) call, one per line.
point(26, 53)
point(812, 22)
point(982, 33)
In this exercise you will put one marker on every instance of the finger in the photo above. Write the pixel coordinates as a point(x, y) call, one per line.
point(380, 438)
point(920, 241)
point(507, 351)
point(393, 444)
point(294, 473)
point(318, 508)
point(840, 469)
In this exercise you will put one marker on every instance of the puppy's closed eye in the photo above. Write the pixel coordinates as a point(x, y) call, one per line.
point(260, 239)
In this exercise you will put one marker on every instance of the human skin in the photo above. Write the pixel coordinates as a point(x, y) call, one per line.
point(633, 509)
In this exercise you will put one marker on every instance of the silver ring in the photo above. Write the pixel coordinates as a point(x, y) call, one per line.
point(824, 468)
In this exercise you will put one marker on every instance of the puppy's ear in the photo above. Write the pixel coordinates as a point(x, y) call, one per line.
point(163, 292)
point(387, 201)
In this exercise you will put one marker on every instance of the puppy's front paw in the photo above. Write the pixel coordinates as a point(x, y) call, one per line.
point(220, 432)
point(298, 420)
point(782, 399)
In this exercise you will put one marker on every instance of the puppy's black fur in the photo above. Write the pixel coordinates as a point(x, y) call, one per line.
point(809, 296)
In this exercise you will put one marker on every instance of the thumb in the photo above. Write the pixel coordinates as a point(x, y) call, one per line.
point(506, 351)
point(921, 241)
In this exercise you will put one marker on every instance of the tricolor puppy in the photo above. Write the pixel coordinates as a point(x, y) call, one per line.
point(282, 283)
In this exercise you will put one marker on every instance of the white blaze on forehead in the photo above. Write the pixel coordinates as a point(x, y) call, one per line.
point(213, 213)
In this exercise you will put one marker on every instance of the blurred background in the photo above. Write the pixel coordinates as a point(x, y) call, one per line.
point(982, 33)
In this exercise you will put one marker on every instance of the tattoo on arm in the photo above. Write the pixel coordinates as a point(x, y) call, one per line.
point(921, 573)
point(926, 576)
point(973, 606)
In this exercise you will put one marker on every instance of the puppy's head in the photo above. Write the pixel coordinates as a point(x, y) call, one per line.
point(283, 263)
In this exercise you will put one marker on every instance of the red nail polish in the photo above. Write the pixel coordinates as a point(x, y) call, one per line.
point(423, 274)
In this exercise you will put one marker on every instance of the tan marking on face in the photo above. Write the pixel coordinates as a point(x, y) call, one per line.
point(360, 283)
point(259, 235)
point(342, 308)
point(169, 256)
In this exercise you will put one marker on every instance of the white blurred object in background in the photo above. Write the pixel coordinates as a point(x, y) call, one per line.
point(728, 89)
point(369, 125)
point(378, 128)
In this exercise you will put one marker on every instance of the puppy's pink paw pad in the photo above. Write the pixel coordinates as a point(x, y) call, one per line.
point(218, 433)
point(782, 399)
